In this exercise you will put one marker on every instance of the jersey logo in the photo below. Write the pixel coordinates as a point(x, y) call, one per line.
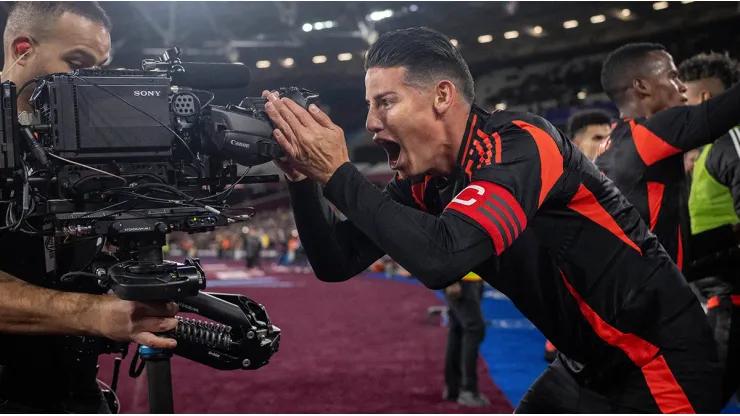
point(493, 208)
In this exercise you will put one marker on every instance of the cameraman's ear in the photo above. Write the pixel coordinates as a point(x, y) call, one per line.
point(444, 96)
point(23, 49)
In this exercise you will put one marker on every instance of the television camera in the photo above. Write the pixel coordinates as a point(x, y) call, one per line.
point(118, 159)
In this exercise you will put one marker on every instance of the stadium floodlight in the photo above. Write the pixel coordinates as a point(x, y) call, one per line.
point(379, 15)
point(599, 18)
point(660, 5)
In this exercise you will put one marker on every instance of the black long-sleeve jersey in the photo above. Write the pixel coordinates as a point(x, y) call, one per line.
point(644, 158)
point(609, 287)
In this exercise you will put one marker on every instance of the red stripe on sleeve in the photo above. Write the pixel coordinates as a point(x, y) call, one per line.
point(509, 236)
point(585, 203)
point(471, 202)
point(679, 255)
point(650, 147)
point(667, 393)
point(551, 161)
point(655, 200)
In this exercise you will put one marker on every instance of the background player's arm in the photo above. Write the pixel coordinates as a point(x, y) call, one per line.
point(723, 163)
point(336, 249)
point(680, 129)
point(483, 220)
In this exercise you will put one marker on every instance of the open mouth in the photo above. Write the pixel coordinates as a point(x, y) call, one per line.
point(393, 150)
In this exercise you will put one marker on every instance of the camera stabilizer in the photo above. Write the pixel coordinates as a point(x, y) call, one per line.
point(121, 158)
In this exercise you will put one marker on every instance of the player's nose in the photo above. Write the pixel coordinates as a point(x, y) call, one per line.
point(373, 123)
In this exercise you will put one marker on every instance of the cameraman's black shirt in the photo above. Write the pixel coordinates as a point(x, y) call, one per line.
point(40, 370)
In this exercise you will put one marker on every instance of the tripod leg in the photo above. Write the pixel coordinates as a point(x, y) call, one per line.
point(159, 385)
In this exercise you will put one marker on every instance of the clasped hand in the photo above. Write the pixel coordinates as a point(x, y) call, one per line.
point(314, 145)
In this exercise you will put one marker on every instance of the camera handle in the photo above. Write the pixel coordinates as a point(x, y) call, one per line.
point(240, 336)
point(158, 379)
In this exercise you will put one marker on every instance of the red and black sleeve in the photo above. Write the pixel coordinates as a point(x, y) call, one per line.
point(503, 196)
point(483, 220)
point(683, 128)
point(336, 248)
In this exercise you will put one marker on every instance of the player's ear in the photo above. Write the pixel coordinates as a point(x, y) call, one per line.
point(705, 95)
point(641, 86)
point(444, 96)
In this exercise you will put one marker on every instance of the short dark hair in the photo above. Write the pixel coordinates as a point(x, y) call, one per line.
point(585, 118)
point(426, 54)
point(622, 65)
point(35, 16)
point(710, 65)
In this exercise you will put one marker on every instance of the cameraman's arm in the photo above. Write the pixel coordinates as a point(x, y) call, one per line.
point(26, 308)
point(336, 249)
point(29, 309)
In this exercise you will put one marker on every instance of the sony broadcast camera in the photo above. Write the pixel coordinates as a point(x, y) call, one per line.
point(118, 159)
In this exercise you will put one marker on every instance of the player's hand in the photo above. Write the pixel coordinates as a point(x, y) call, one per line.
point(123, 320)
point(454, 291)
point(315, 146)
point(291, 174)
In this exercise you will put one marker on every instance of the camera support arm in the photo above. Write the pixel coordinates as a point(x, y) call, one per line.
point(244, 338)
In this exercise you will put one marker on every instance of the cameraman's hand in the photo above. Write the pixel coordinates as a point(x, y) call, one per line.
point(123, 320)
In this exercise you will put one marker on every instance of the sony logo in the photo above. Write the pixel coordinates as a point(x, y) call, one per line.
point(147, 93)
point(240, 144)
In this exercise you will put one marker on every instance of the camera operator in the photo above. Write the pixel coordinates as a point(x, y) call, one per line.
point(39, 371)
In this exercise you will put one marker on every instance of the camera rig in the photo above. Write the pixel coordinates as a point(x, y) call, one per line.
point(117, 159)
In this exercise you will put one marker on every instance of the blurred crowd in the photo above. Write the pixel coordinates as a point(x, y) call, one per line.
point(270, 236)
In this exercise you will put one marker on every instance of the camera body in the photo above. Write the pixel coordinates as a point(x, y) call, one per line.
point(121, 158)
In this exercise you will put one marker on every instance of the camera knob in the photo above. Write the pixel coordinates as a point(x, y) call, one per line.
point(161, 227)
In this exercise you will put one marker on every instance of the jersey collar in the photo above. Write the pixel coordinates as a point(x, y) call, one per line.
point(476, 120)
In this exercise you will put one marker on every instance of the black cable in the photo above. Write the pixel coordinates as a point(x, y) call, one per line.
point(229, 190)
point(210, 100)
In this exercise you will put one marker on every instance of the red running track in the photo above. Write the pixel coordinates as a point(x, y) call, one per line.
point(354, 347)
